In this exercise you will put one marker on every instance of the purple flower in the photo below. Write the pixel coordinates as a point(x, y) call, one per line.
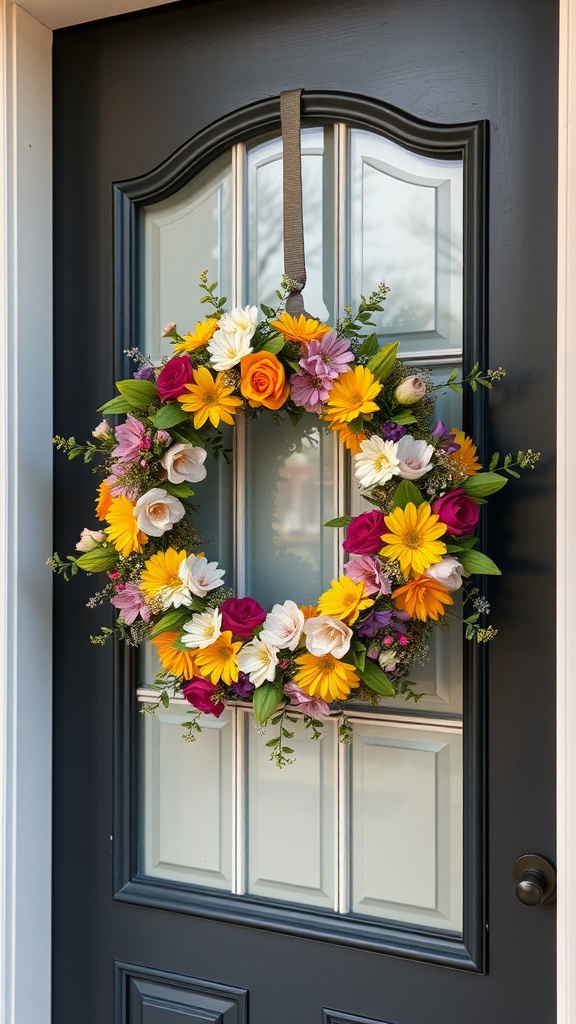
point(129, 436)
point(200, 693)
point(327, 358)
point(313, 706)
point(309, 392)
point(130, 603)
point(145, 373)
point(243, 688)
point(242, 615)
point(446, 437)
point(369, 571)
point(380, 620)
point(392, 431)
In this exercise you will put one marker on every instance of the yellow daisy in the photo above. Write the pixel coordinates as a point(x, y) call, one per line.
point(299, 328)
point(353, 395)
point(345, 600)
point(325, 676)
point(348, 437)
point(123, 529)
point(219, 662)
point(413, 538)
point(423, 598)
point(209, 398)
point(466, 458)
point(179, 663)
point(103, 500)
point(160, 577)
point(205, 330)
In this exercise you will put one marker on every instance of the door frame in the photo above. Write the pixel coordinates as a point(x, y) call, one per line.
point(25, 502)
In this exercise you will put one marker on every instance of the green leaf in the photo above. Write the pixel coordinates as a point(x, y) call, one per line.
point(265, 701)
point(268, 311)
point(369, 346)
point(339, 521)
point(452, 376)
point(464, 544)
point(476, 562)
point(139, 392)
point(116, 405)
point(359, 655)
point(406, 492)
point(164, 698)
point(494, 460)
point(274, 344)
point(98, 560)
point(403, 418)
point(177, 490)
point(483, 484)
point(356, 425)
point(382, 364)
point(169, 415)
point(170, 621)
point(375, 679)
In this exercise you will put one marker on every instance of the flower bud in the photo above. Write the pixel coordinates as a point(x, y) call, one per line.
point(411, 390)
point(90, 539)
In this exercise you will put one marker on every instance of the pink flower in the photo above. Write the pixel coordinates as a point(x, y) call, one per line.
point(115, 483)
point(130, 603)
point(130, 436)
point(327, 358)
point(200, 693)
point(242, 615)
point(173, 377)
point(308, 391)
point(458, 512)
point(312, 706)
point(168, 330)
point(369, 571)
point(364, 534)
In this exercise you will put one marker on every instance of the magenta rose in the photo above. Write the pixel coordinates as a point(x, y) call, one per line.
point(174, 377)
point(458, 512)
point(242, 615)
point(364, 534)
point(199, 692)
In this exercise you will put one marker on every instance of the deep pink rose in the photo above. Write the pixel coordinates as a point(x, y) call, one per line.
point(242, 615)
point(364, 534)
point(174, 377)
point(458, 512)
point(199, 692)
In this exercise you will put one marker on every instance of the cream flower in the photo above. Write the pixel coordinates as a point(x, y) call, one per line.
point(413, 457)
point(376, 462)
point(184, 462)
point(325, 635)
point(231, 342)
point(202, 629)
point(102, 430)
point(157, 511)
point(283, 626)
point(200, 575)
point(258, 659)
point(90, 539)
point(448, 572)
point(411, 390)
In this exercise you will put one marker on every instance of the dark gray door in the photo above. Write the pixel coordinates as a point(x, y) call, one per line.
point(129, 93)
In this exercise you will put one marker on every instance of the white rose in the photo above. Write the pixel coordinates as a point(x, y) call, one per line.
point(258, 659)
point(90, 539)
point(184, 462)
point(200, 575)
point(448, 572)
point(283, 626)
point(157, 511)
point(325, 635)
point(231, 342)
point(413, 457)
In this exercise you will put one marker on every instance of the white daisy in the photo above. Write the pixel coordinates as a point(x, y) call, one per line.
point(231, 342)
point(377, 462)
point(258, 659)
point(202, 629)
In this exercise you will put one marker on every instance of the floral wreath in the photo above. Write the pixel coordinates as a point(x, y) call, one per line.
point(406, 557)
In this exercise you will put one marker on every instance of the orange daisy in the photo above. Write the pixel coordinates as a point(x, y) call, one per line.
point(423, 598)
point(179, 663)
point(103, 500)
point(466, 458)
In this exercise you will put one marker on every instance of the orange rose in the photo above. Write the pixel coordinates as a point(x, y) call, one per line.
point(263, 380)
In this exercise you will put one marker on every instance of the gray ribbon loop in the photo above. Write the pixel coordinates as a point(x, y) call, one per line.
point(294, 259)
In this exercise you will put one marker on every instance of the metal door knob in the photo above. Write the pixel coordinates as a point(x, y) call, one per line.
point(535, 879)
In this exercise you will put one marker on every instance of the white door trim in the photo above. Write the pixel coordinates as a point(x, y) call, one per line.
point(25, 513)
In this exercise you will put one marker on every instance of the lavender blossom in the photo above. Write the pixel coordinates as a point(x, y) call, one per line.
point(392, 431)
point(446, 437)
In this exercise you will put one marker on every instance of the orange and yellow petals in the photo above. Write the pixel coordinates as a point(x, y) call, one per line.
point(413, 538)
point(263, 380)
point(423, 598)
point(205, 330)
point(348, 437)
point(353, 395)
point(208, 398)
point(123, 530)
point(299, 328)
point(219, 661)
point(466, 458)
point(309, 611)
point(345, 600)
point(325, 677)
point(180, 664)
point(160, 572)
point(103, 501)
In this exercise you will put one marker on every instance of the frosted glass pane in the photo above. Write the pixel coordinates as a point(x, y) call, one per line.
point(289, 494)
point(265, 238)
point(183, 235)
point(406, 230)
point(187, 799)
point(290, 841)
point(406, 856)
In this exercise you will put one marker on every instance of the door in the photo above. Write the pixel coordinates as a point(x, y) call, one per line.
point(153, 113)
